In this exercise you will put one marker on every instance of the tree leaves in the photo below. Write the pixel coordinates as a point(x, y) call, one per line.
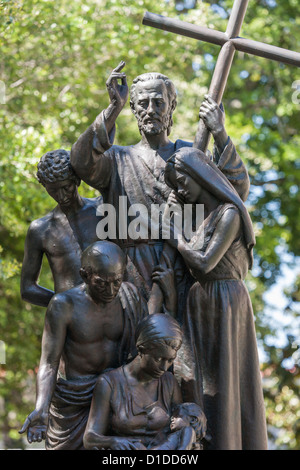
point(56, 57)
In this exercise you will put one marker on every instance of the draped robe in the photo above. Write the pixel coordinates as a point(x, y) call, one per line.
point(220, 343)
point(219, 325)
point(137, 172)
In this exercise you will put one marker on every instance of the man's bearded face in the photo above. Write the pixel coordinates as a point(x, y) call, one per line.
point(151, 107)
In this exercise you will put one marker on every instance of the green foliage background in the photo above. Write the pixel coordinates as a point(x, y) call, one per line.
point(55, 59)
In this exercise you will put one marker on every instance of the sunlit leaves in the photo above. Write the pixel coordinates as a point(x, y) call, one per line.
point(56, 57)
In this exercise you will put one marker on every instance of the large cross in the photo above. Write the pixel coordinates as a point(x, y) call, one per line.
point(229, 42)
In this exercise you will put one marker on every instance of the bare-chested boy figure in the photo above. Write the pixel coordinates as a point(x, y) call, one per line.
point(62, 234)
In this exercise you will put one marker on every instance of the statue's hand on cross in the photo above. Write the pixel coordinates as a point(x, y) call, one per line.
point(213, 117)
point(230, 41)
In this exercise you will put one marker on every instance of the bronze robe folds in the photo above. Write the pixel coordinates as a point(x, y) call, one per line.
point(220, 328)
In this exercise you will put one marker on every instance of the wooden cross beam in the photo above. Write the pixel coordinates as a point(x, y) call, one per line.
point(229, 42)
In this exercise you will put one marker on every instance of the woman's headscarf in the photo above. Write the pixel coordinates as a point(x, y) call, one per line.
point(196, 164)
point(158, 328)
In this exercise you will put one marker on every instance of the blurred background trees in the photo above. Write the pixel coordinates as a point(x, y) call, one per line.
point(56, 57)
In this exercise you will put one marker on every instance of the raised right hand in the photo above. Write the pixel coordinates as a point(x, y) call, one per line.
point(36, 425)
point(118, 93)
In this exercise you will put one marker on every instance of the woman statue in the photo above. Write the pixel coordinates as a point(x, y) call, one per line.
point(132, 406)
point(219, 321)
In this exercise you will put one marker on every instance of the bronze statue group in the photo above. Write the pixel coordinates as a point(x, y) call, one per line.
point(148, 343)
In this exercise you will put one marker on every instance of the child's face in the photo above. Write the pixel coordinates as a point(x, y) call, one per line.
point(179, 420)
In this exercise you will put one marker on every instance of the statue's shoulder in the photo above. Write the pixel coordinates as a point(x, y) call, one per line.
point(38, 227)
point(182, 143)
point(75, 295)
point(60, 298)
point(112, 377)
point(62, 303)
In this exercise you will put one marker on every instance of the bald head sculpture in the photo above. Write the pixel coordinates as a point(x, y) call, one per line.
point(102, 269)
